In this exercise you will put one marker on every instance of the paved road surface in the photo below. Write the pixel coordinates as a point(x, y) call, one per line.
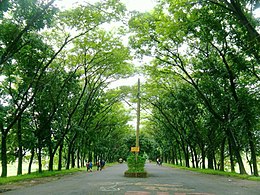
point(161, 181)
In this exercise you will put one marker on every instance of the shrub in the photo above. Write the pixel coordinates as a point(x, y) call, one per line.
point(135, 164)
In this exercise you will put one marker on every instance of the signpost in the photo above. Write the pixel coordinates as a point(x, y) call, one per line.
point(138, 114)
point(136, 148)
point(136, 166)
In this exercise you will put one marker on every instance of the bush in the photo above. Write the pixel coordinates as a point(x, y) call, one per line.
point(135, 164)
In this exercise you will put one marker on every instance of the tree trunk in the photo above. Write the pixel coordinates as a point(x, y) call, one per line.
point(222, 155)
point(187, 159)
point(192, 158)
point(73, 157)
point(68, 157)
point(40, 159)
point(210, 155)
point(232, 165)
point(173, 156)
point(89, 153)
point(180, 157)
point(78, 157)
point(51, 161)
point(51, 152)
point(250, 164)
point(83, 159)
point(60, 158)
point(240, 109)
point(31, 161)
point(20, 147)
point(203, 157)
point(242, 169)
point(165, 157)
point(253, 153)
point(196, 157)
point(176, 151)
point(3, 152)
point(215, 162)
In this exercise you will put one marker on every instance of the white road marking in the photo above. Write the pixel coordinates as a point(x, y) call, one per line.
point(109, 188)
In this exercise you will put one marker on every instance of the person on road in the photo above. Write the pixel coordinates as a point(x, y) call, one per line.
point(89, 166)
point(98, 165)
point(158, 161)
point(102, 164)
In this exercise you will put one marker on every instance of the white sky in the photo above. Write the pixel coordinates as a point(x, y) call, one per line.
point(138, 5)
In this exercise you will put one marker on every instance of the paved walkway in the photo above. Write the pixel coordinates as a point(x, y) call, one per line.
point(161, 181)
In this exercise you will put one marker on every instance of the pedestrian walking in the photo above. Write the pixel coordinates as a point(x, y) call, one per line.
point(98, 165)
point(102, 164)
point(158, 161)
point(89, 166)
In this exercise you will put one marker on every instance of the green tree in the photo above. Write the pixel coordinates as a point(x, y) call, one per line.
point(18, 39)
point(29, 64)
point(200, 45)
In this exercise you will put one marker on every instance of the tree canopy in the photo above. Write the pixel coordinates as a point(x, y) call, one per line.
point(200, 99)
point(206, 69)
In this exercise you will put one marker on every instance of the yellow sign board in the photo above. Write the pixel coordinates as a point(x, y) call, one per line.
point(134, 149)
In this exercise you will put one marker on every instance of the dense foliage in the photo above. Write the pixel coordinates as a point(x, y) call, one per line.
point(200, 103)
point(55, 70)
point(135, 164)
point(203, 85)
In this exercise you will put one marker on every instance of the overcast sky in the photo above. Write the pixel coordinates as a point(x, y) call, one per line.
point(138, 5)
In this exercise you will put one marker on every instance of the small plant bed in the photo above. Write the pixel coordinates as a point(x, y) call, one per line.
point(135, 167)
point(136, 174)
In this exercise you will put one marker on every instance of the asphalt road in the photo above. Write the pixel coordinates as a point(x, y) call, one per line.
point(160, 181)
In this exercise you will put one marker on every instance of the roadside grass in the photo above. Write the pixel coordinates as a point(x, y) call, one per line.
point(216, 172)
point(36, 175)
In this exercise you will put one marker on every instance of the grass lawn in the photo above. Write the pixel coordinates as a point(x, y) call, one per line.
point(216, 172)
point(35, 175)
point(45, 174)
